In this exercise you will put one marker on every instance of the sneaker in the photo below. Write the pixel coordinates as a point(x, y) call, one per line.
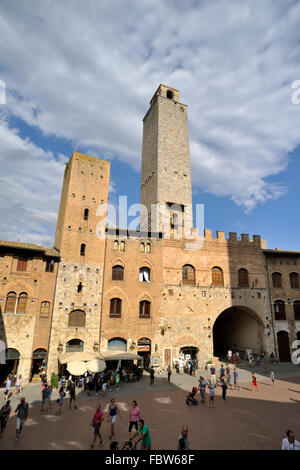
point(102, 442)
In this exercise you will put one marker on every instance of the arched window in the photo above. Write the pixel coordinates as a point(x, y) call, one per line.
point(188, 274)
point(122, 246)
point(217, 277)
point(294, 280)
point(243, 278)
point(82, 249)
point(148, 247)
point(22, 303)
point(86, 214)
point(145, 309)
point(11, 300)
point(117, 344)
point(74, 345)
point(144, 274)
point(170, 94)
point(279, 308)
point(116, 245)
point(142, 247)
point(77, 318)
point(45, 309)
point(276, 279)
point(297, 310)
point(115, 308)
point(117, 273)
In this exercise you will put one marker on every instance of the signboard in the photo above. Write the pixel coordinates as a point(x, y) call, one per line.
point(155, 361)
point(143, 348)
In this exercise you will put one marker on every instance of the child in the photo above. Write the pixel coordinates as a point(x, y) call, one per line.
point(272, 377)
point(254, 382)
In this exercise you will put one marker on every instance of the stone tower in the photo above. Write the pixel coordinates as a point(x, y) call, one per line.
point(78, 297)
point(166, 175)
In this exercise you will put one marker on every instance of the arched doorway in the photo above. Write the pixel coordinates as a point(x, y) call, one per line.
point(11, 365)
point(117, 344)
point(189, 351)
point(144, 350)
point(38, 357)
point(238, 328)
point(284, 346)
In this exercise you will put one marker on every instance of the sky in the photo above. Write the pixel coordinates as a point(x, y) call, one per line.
point(79, 76)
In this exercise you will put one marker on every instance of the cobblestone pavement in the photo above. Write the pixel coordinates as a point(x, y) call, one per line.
point(247, 420)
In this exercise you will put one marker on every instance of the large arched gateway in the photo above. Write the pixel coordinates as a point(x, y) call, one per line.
point(238, 327)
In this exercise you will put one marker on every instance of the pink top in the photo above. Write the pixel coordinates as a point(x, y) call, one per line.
point(98, 416)
point(134, 414)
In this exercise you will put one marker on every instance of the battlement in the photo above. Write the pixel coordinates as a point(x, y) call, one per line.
point(88, 159)
point(233, 237)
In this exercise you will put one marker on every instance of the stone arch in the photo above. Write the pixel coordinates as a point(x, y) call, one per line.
point(187, 340)
point(238, 327)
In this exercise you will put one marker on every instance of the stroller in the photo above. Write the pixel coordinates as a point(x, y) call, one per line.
point(191, 400)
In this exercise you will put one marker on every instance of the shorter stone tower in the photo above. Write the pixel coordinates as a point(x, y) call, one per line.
point(78, 298)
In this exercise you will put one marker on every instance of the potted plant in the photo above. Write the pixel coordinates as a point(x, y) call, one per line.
point(207, 364)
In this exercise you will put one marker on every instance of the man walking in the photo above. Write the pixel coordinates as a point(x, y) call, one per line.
point(222, 372)
point(224, 388)
point(7, 388)
point(229, 355)
point(22, 415)
point(152, 375)
point(213, 374)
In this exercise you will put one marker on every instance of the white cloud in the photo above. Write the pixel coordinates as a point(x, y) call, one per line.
point(85, 71)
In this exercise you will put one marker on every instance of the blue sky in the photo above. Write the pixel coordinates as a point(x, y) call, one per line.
point(79, 76)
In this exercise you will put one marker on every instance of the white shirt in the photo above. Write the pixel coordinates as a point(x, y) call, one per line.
point(286, 445)
point(229, 353)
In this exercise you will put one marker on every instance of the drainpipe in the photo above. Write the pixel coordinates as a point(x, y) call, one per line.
point(271, 307)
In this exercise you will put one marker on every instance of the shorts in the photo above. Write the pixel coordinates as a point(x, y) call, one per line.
point(97, 429)
point(113, 419)
point(20, 423)
point(6, 392)
point(3, 423)
point(133, 424)
point(104, 386)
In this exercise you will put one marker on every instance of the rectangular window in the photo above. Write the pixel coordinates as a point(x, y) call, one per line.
point(22, 264)
point(204, 294)
point(50, 266)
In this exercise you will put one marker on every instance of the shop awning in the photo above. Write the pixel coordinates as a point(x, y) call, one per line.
point(79, 356)
point(116, 356)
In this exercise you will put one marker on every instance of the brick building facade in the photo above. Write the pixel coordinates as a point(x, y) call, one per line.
point(159, 290)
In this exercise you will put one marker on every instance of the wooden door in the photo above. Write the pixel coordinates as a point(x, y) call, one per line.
point(167, 357)
point(284, 346)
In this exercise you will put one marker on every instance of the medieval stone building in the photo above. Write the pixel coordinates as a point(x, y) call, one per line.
point(155, 291)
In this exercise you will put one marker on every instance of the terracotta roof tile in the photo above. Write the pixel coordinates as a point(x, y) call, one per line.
point(30, 246)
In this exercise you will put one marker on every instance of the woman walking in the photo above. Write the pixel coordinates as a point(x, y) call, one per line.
point(211, 395)
point(135, 415)
point(112, 413)
point(19, 386)
point(202, 385)
point(98, 418)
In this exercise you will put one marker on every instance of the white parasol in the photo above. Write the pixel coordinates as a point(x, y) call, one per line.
point(96, 365)
point(76, 367)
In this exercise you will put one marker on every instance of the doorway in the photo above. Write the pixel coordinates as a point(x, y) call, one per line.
point(283, 346)
point(144, 350)
point(11, 365)
point(38, 357)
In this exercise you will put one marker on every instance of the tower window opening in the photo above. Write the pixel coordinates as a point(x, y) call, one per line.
point(170, 94)
point(82, 249)
point(79, 288)
point(86, 214)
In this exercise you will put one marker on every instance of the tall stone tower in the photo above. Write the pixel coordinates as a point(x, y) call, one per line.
point(78, 297)
point(166, 175)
